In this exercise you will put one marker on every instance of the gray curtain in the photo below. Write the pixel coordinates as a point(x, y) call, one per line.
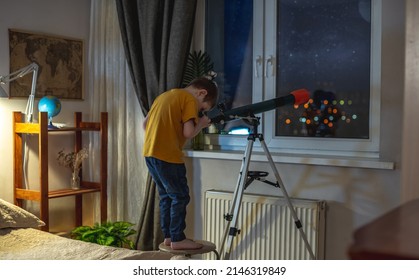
point(157, 36)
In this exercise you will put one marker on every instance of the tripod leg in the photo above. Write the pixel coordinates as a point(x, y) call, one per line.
point(231, 230)
point(290, 206)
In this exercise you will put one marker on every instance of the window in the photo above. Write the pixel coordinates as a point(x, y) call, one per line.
point(263, 50)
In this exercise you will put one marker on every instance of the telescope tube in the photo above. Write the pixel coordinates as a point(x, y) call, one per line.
point(296, 97)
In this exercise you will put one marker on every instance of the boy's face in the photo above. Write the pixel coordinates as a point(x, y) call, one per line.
point(205, 106)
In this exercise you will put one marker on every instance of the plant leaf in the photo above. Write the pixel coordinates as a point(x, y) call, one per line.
point(198, 64)
point(107, 233)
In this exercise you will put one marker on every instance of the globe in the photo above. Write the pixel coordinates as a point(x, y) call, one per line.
point(51, 105)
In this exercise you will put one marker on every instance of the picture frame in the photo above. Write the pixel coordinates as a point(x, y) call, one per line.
point(60, 60)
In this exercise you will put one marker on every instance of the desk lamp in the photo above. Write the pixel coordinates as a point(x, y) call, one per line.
point(33, 67)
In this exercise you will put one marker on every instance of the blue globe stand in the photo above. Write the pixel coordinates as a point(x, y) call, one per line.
point(50, 125)
point(52, 106)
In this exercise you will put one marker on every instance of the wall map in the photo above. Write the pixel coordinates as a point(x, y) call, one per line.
point(60, 63)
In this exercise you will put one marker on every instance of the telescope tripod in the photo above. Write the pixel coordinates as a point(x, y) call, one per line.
point(245, 178)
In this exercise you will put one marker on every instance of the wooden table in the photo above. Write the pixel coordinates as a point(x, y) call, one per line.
point(393, 236)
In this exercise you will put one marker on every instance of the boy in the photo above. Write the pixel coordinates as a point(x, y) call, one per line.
point(172, 119)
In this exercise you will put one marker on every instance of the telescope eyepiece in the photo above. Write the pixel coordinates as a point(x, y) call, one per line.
point(221, 107)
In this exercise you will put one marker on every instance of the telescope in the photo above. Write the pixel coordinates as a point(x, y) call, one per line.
point(246, 177)
point(296, 97)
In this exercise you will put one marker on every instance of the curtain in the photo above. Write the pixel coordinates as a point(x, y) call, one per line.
point(111, 90)
point(157, 36)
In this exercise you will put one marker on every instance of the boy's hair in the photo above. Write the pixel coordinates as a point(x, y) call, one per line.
point(209, 85)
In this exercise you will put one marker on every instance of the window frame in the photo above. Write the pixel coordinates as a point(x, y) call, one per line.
point(265, 21)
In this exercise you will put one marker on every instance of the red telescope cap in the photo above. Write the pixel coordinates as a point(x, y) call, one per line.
point(301, 96)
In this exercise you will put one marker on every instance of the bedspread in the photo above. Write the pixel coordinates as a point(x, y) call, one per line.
point(34, 244)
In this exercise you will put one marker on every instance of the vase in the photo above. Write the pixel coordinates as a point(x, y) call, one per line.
point(75, 181)
point(198, 142)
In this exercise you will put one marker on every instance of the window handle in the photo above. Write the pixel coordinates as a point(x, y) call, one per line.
point(258, 63)
point(270, 61)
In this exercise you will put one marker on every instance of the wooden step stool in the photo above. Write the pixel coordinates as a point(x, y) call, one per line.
point(208, 247)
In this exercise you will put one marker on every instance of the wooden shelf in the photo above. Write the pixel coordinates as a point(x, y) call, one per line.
point(69, 192)
point(44, 194)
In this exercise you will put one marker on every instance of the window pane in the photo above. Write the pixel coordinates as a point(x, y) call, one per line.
point(229, 43)
point(324, 46)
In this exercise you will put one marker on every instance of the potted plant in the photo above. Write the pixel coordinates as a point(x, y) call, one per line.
point(113, 234)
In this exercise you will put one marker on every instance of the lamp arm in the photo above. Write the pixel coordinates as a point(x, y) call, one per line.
point(19, 73)
point(33, 67)
point(31, 99)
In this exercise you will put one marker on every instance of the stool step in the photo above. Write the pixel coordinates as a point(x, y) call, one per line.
point(208, 247)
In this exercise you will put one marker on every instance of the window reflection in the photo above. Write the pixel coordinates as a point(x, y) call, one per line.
point(324, 46)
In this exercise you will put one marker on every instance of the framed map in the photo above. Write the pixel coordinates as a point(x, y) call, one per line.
point(60, 62)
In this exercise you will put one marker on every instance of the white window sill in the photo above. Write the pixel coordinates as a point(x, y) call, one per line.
point(344, 161)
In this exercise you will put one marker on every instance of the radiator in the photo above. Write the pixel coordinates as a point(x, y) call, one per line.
point(268, 230)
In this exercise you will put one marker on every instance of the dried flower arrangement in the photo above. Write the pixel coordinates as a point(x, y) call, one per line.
point(72, 160)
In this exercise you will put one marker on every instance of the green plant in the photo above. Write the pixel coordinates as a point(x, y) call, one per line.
point(110, 234)
point(198, 64)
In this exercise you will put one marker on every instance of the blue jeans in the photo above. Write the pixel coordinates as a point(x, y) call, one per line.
point(173, 189)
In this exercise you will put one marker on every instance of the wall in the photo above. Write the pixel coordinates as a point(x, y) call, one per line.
point(55, 17)
point(354, 195)
point(410, 176)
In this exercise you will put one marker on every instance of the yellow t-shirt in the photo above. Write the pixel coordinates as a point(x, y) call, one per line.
point(164, 131)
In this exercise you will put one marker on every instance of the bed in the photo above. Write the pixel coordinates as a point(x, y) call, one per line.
point(20, 239)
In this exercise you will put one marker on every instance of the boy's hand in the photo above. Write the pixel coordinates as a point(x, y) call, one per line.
point(204, 121)
point(190, 129)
